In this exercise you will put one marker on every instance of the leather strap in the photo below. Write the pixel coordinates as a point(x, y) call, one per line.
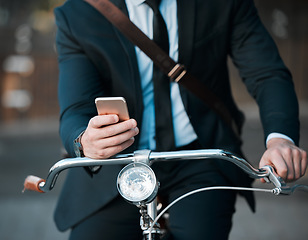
point(175, 71)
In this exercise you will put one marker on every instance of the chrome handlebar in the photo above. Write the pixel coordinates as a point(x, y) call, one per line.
point(148, 157)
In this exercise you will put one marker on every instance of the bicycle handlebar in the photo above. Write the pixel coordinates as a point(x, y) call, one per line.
point(148, 157)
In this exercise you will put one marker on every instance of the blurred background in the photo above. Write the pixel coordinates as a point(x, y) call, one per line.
point(29, 141)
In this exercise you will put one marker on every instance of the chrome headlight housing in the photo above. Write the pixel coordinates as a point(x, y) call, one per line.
point(137, 183)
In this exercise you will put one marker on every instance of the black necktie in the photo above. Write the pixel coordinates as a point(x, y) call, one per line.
point(163, 116)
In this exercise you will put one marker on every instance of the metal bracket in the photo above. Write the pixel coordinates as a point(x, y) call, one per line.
point(142, 156)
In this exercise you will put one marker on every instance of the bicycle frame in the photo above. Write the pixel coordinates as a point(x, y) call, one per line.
point(148, 211)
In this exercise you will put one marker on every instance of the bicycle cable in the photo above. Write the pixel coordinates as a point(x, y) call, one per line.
point(274, 191)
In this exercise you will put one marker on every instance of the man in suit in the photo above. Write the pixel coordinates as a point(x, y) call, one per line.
point(96, 60)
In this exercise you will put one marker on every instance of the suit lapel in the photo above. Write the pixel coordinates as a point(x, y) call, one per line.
point(127, 45)
point(186, 28)
point(120, 4)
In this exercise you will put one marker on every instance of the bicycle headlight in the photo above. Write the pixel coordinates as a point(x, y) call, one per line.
point(137, 183)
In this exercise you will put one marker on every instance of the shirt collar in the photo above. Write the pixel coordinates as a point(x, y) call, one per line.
point(136, 2)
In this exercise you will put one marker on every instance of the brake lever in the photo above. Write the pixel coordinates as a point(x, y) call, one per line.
point(280, 186)
point(272, 178)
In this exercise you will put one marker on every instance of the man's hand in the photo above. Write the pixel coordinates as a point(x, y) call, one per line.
point(105, 136)
point(289, 161)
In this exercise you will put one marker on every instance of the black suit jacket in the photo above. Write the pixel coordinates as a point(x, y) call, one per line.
point(95, 59)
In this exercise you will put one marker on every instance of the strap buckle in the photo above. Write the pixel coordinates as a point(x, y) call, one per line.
point(177, 72)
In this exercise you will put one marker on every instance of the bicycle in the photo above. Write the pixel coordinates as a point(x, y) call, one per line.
point(137, 182)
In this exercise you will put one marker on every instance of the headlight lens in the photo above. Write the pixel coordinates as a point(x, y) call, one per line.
point(137, 183)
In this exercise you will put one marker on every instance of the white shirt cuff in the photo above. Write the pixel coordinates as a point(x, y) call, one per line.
point(278, 135)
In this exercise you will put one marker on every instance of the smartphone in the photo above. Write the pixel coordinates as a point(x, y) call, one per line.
point(112, 105)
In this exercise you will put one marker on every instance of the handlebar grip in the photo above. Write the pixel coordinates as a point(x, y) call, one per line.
point(32, 183)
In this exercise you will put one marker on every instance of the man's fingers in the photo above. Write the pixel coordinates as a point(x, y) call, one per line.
point(289, 161)
point(113, 130)
point(303, 162)
point(110, 151)
point(108, 125)
point(275, 159)
point(106, 136)
point(103, 120)
point(282, 168)
point(297, 163)
point(117, 139)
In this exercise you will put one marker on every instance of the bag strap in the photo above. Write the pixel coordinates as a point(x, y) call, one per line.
point(175, 71)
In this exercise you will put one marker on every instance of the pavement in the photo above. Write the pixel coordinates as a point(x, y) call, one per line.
point(33, 147)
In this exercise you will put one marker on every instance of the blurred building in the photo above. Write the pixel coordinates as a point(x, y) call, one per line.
point(28, 61)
